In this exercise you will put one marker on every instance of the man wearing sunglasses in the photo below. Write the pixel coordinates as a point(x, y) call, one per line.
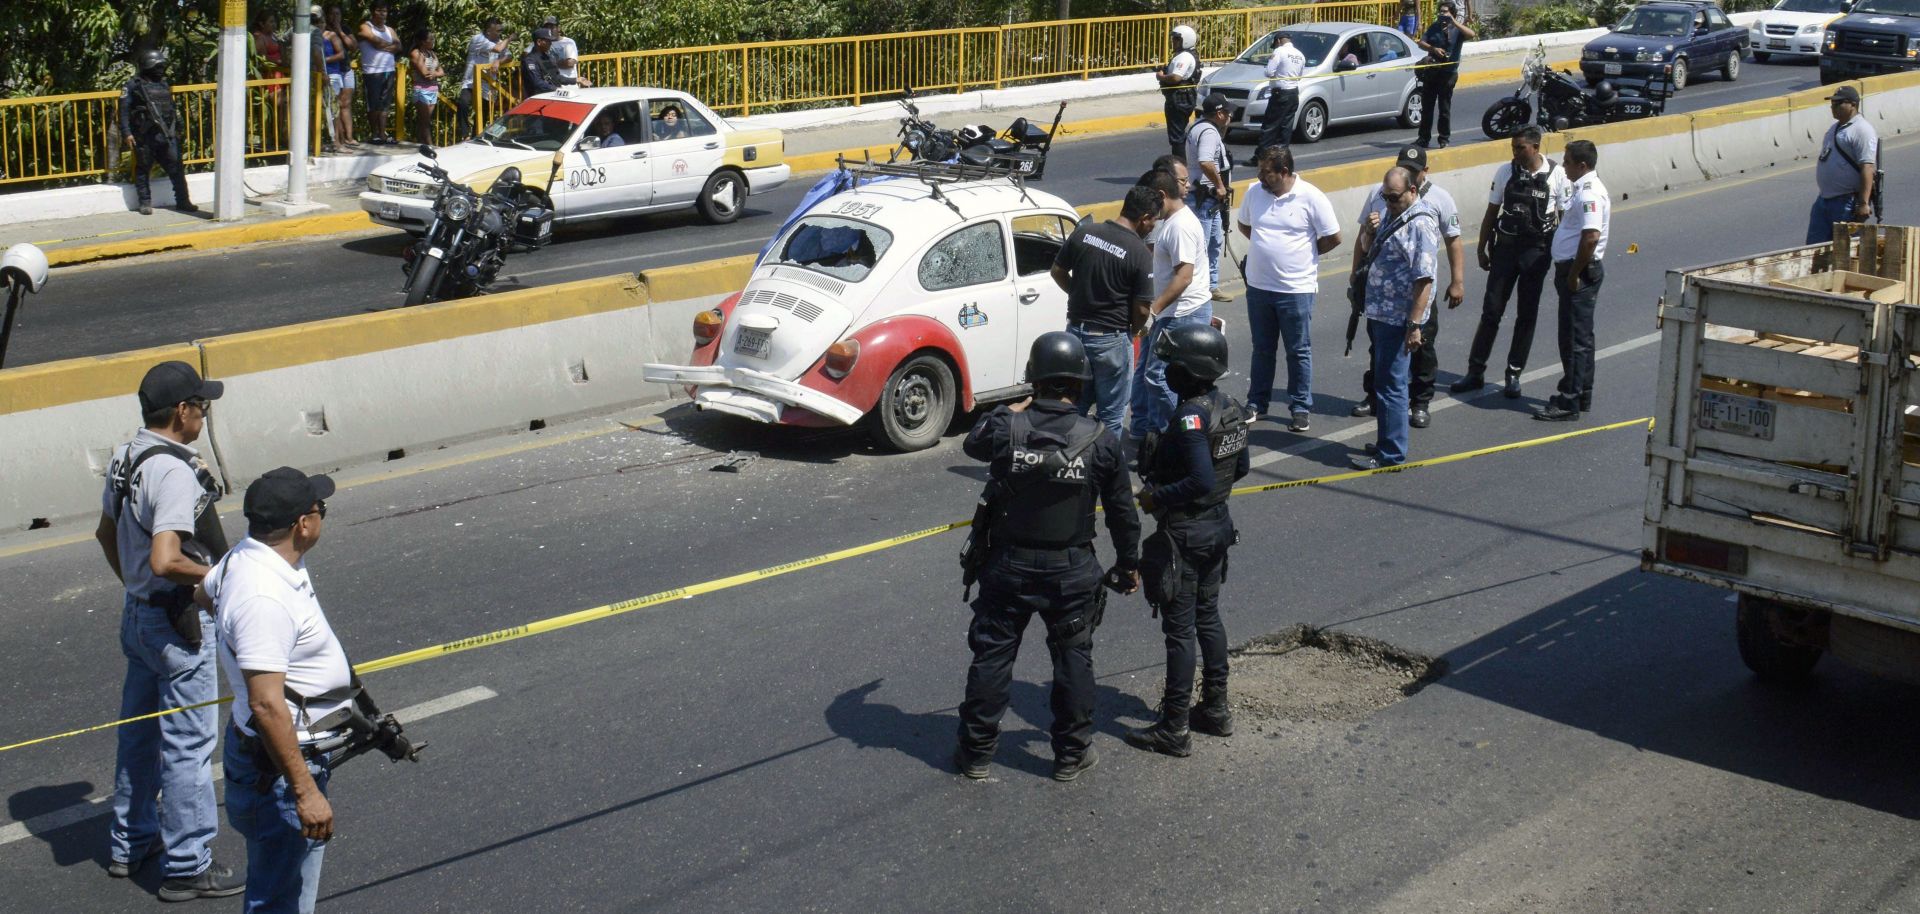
point(159, 532)
point(289, 675)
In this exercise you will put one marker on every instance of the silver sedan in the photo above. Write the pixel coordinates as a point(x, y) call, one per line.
point(1355, 72)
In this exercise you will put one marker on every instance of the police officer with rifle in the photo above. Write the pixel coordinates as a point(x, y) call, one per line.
point(1190, 469)
point(1031, 550)
point(150, 125)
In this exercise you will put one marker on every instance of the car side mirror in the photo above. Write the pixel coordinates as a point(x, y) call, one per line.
point(587, 142)
point(1344, 66)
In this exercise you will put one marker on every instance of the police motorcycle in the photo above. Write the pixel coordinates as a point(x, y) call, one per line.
point(1023, 147)
point(1556, 101)
point(471, 234)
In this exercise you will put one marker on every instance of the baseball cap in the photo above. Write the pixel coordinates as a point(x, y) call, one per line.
point(1845, 94)
point(542, 34)
point(1214, 102)
point(282, 496)
point(175, 382)
point(1413, 157)
point(550, 20)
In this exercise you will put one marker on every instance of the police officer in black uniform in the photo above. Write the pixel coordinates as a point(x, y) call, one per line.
point(1180, 82)
point(1515, 237)
point(1047, 465)
point(1190, 469)
point(150, 125)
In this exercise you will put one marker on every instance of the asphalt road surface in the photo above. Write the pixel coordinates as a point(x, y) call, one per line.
point(1596, 744)
point(151, 301)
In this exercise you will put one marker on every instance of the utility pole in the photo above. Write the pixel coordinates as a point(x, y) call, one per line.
point(230, 127)
point(300, 118)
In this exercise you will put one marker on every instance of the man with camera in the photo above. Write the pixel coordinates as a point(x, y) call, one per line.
point(289, 675)
point(1443, 42)
point(159, 532)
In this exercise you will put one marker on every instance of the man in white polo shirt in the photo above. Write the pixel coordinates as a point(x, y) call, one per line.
point(275, 640)
point(1579, 246)
point(1289, 225)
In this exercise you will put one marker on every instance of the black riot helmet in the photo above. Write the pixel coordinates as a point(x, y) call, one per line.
point(508, 184)
point(1197, 348)
point(1058, 356)
point(152, 63)
point(1605, 92)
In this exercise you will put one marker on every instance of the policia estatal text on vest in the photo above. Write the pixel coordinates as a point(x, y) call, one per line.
point(150, 125)
point(1031, 548)
point(1189, 469)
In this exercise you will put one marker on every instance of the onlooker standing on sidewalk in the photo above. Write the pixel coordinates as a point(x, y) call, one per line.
point(1515, 236)
point(1289, 225)
point(424, 79)
point(538, 73)
point(1180, 295)
point(264, 48)
point(565, 53)
point(1426, 360)
point(1443, 42)
point(1399, 295)
point(1211, 168)
point(1107, 273)
point(1846, 170)
point(379, 44)
point(159, 532)
point(484, 53)
point(1579, 245)
point(339, 48)
point(1284, 70)
point(150, 127)
point(317, 57)
point(1410, 18)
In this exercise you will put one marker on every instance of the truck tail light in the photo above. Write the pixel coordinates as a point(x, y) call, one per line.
point(840, 358)
point(706, 326)
point(1700, 552)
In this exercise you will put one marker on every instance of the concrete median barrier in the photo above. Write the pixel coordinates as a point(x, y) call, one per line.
point(61, 422)
point(1745, 138)
point(1644, 157)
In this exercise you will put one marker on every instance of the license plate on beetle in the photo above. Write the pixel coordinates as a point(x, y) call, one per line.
point(390, 211)
point(1612, 69)
point(1736, 415)
point(756, 343)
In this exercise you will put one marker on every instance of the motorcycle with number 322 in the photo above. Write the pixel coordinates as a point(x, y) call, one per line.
point(1553, 100)
point(472, 233)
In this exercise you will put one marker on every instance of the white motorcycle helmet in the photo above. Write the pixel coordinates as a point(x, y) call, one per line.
point(1185, 38)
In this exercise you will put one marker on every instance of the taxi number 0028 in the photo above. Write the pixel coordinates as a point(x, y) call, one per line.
point(858, 210)
point(586, 177)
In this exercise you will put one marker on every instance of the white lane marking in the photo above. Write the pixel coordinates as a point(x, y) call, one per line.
point(97, 806)
point(1443, 401)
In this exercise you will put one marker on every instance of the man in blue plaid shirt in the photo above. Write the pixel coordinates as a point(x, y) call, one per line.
point(1406, 242)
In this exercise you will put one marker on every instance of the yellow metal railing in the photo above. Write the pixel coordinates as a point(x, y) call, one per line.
point(76, 136)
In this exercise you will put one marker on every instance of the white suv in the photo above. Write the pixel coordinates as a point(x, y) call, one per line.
point(1794, 28)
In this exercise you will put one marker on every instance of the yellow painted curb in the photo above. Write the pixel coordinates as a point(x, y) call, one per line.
point(94, 377)
point(208, 239)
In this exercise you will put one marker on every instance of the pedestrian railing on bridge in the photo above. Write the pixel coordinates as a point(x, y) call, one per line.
point(64, 138)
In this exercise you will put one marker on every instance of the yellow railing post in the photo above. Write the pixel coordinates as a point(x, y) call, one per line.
point(856, 73)
point(999, 56)
point(1086, 50)
point(962, 37)
point(745, 82)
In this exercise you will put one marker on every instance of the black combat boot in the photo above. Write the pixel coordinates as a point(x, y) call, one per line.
point(1512, 389)
point(1168, 735)
point(1213, 716)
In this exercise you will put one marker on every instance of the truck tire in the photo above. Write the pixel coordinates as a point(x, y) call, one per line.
point(917, 405)
point(1772, 658)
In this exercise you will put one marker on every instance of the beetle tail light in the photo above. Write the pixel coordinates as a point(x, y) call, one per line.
point(706, 326)
point(840, 358)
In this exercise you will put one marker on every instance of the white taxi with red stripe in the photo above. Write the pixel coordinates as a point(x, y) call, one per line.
point(599, 153)
point(898, 303)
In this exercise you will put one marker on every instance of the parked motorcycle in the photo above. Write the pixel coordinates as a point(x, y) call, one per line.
point(1023, 147)
point(471, 234)
point(1556, 101)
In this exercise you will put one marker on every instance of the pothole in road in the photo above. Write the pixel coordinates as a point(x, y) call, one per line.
point(1308, 674)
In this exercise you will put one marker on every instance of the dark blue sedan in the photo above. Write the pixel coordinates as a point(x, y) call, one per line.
point(1667, 41)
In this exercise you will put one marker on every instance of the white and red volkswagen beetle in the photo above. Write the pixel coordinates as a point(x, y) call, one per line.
point(908, 301)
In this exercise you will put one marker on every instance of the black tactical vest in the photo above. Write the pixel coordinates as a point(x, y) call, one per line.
point(1227, 427)
point(152, 107)
point(1050, 485)
point(1526, 210)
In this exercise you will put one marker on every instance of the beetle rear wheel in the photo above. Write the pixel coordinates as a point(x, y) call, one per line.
point(916, 406)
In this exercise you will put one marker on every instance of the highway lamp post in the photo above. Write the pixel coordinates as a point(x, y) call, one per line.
point(230, 100)
point(299, 118)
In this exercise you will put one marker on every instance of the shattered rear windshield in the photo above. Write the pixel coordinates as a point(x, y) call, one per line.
point(841, 248)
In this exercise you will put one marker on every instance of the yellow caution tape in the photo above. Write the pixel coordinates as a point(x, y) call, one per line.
point(610, 610)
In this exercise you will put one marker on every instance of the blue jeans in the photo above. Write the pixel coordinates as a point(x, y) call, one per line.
point(1111, 355)
point(283, 867)
point(1153, 400)
point(1391, 368)
point(163, 772)
point(1208, 209)
point(1270, 317)
point(1827, 211)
